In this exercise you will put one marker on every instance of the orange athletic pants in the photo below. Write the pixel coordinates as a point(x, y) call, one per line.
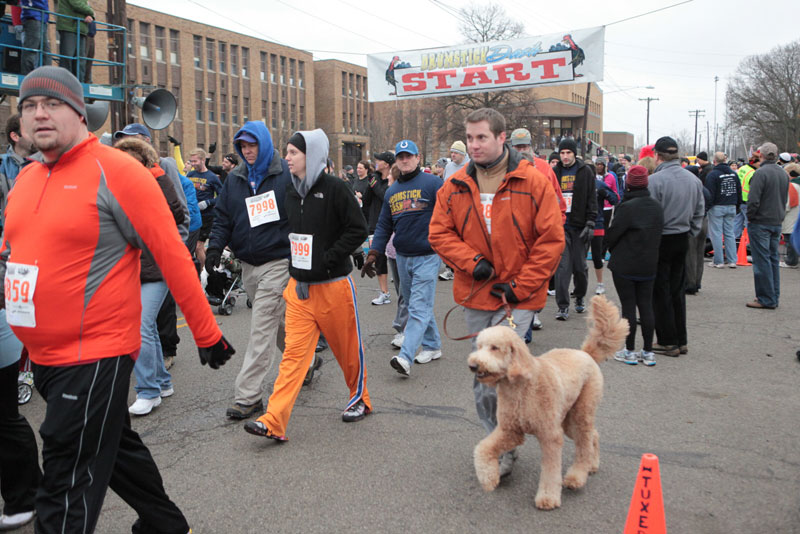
point(332, 309)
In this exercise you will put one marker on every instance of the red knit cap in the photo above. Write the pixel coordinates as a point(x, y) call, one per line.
point(636, 177)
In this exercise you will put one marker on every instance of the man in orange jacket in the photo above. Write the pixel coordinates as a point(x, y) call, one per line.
point(75, 227)
point(497, 222)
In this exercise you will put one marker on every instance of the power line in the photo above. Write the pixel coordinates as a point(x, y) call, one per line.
point(393, 23)
point(694, 53)
point(649, 12)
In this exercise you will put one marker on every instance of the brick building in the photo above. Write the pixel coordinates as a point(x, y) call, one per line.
point(342, 110)
point(618, 142)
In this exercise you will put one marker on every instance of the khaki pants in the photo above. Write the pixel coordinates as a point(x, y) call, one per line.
point(264, 285)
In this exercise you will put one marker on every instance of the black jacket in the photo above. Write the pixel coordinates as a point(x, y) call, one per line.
point(373, 200)
point(331, 214)
point(149, 269)
point(635, 235)
point(266, 242)
point(584, 195)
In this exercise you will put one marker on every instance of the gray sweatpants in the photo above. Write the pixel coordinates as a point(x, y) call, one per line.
point(486, 396)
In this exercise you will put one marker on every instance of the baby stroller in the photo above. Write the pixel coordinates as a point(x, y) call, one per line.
point(225, 283)
point(25, 379)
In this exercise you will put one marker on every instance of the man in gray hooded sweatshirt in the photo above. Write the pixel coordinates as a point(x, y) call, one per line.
point(326, 226)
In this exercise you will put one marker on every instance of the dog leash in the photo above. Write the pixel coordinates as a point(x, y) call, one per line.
point(506, 306)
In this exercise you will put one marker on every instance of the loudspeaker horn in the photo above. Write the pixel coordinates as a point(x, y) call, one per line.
point(96, 114)
point(158, 108)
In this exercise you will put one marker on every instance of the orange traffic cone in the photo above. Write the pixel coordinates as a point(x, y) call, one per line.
point(646, 513)
point(741, 259)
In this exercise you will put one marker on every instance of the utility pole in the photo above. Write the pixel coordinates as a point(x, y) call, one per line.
point(648, 99)
point(585, 121)
point(716, 80)
point(696, 114)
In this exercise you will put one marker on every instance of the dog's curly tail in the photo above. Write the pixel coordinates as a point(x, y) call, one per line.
point(607, 331)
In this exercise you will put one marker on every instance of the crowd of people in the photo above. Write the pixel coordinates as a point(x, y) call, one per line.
point(509, 228)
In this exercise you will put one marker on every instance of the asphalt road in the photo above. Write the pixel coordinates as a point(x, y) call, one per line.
point(723, 421)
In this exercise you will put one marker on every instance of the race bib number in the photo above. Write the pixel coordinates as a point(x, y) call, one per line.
point(301, 250)
point(486, 209)
point(262, 209)
point(568, 201)
point(20, 283)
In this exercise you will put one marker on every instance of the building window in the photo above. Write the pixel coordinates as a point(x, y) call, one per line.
point(291, 72)
point(283, 70)
point(198, 51)
point(245, 62)
point(273, 62)
point(210, 54)
point(234, 60)
point(212, 105)
point(223, 68)
point(174, 43)
point(176, 91)
point(350, 87)
point(274, 116)
point(223, 109)
point(235, 110)
point(344, 84)
point(301, 73)
point(302, 117)
point(160, 44)
point(245, 109)
point(131, 50)
point(264, 110)
point(283, 116)
point(198, 105)
point(263, 66)
point(358, 83)
point(144, 40)
point(292, 120)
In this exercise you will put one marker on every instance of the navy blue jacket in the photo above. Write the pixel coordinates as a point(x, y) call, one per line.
point(724, 186)
point(268, 241)
point(209, 189)
point(407, 210)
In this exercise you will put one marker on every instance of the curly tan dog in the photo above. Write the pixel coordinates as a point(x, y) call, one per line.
point(549, 396)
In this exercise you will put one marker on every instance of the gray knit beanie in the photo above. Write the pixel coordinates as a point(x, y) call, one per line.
point(53, 82)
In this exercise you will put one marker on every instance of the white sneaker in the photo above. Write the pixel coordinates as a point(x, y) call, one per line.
point(601, 288)
point(167, 393)
point(400, 365)
point(144, 406)
point(381, 299)
point(447, 274)
point(397, 341)
point(551, 292)
point(14, 521)
point(426, 356)
point(786, 265)
point(536, 324)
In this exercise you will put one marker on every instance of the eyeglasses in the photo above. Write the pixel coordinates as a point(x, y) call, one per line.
point(50, 106)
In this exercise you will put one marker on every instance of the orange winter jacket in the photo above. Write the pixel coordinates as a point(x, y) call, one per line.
point(83, 221)
point(525, 244)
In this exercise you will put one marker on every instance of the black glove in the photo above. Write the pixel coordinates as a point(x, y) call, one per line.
point(173, 140)
point(213, 256)
point(588, 231)
point(358, 259)
point(483, 270)
point(217, 354)
point(499, 289)
point(212, 148)
point(369, 265)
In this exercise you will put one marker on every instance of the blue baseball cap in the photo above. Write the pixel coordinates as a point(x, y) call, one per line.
point(406, 146)
point(133, 129)
point(243, 135)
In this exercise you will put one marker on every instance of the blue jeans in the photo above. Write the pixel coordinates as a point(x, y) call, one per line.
point(418, 276)
point(151, 375)
point(740, 221)
point(764, 241)
point(721, 224)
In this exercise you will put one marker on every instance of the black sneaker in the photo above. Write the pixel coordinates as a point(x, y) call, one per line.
point(242, 411)
point(257, 428)
point(580, 306)
point(310, 374)
point(354, 413)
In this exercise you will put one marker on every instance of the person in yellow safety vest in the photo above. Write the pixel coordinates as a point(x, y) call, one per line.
point(745, 173)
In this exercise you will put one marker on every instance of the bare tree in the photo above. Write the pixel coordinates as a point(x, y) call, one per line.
point(764, 96)
point(483, 23)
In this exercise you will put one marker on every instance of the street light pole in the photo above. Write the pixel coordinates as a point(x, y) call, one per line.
point(716, 80)
point(648, 99)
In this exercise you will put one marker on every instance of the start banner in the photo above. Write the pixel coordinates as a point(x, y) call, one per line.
point(555, 59)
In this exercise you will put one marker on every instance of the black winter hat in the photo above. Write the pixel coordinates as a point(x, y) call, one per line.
point(568, 144)
point(298, 141)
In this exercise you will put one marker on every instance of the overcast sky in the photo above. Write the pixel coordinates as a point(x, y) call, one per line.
point(678, 51)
